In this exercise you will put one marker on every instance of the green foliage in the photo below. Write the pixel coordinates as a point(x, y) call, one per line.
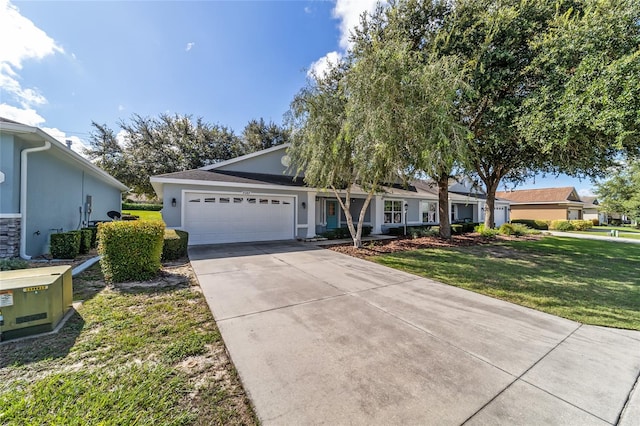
point(94, 235)
point(581, 225)
point(86, 236)
point(12, 264)
point(142, 206)
point(65, 245)
point(533, 223)
point(342, 233)
point(421, 231)
point(258, 135)
point(131, 251)
point(620, 193)
point(515, 229)
point(457, 229)
point(175, 244)
point(561, 225)
point(485, 231)
point(152, 146)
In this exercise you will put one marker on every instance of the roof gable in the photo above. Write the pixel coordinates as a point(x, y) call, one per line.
point(543, 195)
point(272, 161)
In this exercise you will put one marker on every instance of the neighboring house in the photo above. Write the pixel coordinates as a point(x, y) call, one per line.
point(544, 204)
point(45, 188)
point(256, 198)
point(591, 211)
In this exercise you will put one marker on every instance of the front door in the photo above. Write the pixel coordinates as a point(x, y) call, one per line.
point(332, 214)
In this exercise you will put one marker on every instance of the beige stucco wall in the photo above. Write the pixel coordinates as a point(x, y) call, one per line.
point(544, 212)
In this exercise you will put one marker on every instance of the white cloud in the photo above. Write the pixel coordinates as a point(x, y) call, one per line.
point(27, 116)
point(77, 144)
point(348, 12)
point(121, 137)
point(190, 46)
point(586, 192)
point(321, 66)
point(121, 107)
point(28, 42)
point(307, 9)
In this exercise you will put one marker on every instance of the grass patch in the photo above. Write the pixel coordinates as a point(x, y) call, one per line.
point(590, 281)
point(144, 214)
point(135, 353)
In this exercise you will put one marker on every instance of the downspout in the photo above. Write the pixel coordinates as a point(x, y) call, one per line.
point(23, 196)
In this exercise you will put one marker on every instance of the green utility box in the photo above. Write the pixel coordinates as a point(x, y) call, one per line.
point(33, 300)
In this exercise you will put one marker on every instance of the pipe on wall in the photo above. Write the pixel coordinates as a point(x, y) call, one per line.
point(23, 196)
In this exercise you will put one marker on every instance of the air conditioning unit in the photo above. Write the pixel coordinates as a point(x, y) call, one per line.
point(33, 300)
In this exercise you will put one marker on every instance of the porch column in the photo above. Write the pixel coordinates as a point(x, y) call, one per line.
point(377, 214)
point(311, 214)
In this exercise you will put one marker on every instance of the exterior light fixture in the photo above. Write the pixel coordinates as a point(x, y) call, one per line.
point(304, 205)
point(173, 202)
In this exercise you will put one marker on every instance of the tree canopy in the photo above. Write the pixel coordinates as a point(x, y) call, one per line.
point(150, 146)
point(620, 192)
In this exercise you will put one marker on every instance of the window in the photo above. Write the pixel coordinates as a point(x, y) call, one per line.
point(429, 209)
point(237, 200)
point(275, 201)
point(264, 201)
point(251, 200)
point(194, 200)
point(393, 211)
point(224, 200)
point(209, 200)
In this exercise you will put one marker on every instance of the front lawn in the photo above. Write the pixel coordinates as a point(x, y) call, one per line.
point(134, 354)
point(590, 281)
point(144, 214)
point(624, 231)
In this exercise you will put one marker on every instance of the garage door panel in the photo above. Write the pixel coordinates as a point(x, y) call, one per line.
point(221, 218)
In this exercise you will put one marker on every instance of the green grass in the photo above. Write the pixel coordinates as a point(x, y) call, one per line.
point(625, 231)
point(144, 214)
point(131, 355)
point(590, 281)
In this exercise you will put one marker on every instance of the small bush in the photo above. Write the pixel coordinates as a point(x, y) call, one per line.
point(399, 230)
point(485, 232)
point(420, 231)
point(343, 233)
point(581, 225)
point(13, 264)
point(175, 244)
point(141, 206)
point(542, 225)
point(65, 245)
point(131, 251)
point(94, 234)
point(595, 222)
point(456, 229)
point(561, 225)
point(515, 229)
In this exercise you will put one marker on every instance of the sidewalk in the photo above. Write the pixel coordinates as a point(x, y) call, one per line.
point(594, 237)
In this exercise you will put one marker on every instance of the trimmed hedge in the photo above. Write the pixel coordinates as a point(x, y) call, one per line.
point(174, 245)
point(131, 251)
point(65, 245)
point(542, 225)
point(13, 264)
point(342, 233)
point(85, 240)
point(581, 225)
point(570, 225)
point(141, 206)
point(94, 235)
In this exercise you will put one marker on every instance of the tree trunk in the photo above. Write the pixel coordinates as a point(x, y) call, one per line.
point(443, 207)
point(489, 216)
point(356, 234)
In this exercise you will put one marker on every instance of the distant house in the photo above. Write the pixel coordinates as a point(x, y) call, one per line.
point(255, 197)
point(591, 211)
point(45, 187)
point(544, 204)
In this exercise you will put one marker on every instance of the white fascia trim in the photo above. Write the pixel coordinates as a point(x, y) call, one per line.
point(245, 157)
point(231, 185)
point(10, 215)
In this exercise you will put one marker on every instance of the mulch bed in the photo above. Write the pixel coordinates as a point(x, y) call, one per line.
point(380, 247)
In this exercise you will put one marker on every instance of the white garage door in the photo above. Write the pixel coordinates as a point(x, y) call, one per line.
point(226, 218)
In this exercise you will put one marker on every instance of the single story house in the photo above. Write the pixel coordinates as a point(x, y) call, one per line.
point(256, 198)
point(45, 187)
point(544, 204)
point(590, 210)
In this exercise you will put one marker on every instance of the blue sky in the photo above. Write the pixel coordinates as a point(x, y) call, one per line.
point(69, 63)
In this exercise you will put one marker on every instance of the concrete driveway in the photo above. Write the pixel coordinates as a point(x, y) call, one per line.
point(322, 338)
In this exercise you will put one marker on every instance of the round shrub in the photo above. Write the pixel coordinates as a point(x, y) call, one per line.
point(561, 225)
point(485, 232)
point(131, 250)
